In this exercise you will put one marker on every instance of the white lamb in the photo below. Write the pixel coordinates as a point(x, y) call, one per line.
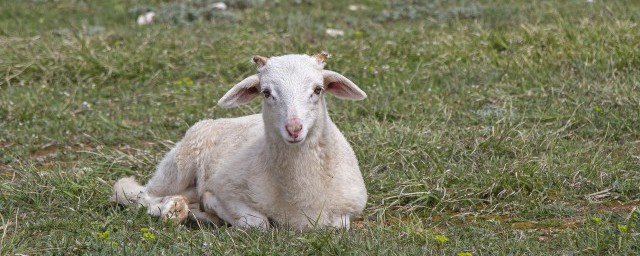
point(289, 165)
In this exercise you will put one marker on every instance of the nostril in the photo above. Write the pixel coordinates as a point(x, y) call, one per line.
point(290, 130)
point(293, 130)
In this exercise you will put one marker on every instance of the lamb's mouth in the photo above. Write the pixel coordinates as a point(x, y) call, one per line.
point(293, 141)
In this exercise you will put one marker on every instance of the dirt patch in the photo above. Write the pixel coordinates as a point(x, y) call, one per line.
point(548, 224)
point(6, 171)
point(615, 207)
point(46, 150)
point(5, 144)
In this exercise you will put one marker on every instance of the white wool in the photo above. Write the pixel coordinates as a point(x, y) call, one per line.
point(289, 165)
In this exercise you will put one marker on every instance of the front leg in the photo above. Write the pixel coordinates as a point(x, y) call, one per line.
point(234, 211)
point(341, 221)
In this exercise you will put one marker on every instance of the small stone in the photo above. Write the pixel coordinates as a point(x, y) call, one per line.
point(146, 19)
point(219, 6)
point(334, 32)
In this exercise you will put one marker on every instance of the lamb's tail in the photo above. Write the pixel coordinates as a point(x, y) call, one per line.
point(127, 191)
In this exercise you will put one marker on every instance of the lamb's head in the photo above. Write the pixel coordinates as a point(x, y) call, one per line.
point(292, 88)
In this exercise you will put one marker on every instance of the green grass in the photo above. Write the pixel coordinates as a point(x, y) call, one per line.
point(509, 127)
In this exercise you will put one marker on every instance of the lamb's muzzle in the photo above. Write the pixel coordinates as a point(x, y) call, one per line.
point(293, 128)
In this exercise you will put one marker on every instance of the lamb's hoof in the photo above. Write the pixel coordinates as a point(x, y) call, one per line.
point(203, 217)
point(175, 208)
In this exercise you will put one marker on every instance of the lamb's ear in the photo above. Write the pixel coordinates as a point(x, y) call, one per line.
point(341, 87)
point(241, 93)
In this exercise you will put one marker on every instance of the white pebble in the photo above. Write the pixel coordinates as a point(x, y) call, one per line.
point(219, 6)
point(334, 32)
point(146, 19)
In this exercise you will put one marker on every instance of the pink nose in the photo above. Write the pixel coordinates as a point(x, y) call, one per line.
point(293, 128)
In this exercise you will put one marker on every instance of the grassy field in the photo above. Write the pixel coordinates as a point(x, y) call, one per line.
point(491, 127)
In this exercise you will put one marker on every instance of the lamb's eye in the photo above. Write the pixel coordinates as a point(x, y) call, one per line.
point(318, 90)
point(266, 93)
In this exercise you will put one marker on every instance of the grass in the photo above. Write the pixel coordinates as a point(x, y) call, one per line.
point(491, 127)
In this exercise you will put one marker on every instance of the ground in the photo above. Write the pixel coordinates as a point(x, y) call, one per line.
point(491, 127)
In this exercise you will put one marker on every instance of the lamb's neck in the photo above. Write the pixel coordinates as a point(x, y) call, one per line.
point(309, 156)
point(301, 172)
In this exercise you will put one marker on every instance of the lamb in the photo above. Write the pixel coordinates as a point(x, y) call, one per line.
point(289, 165)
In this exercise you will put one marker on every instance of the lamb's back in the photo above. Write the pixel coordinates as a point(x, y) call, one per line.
point(211, 141)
